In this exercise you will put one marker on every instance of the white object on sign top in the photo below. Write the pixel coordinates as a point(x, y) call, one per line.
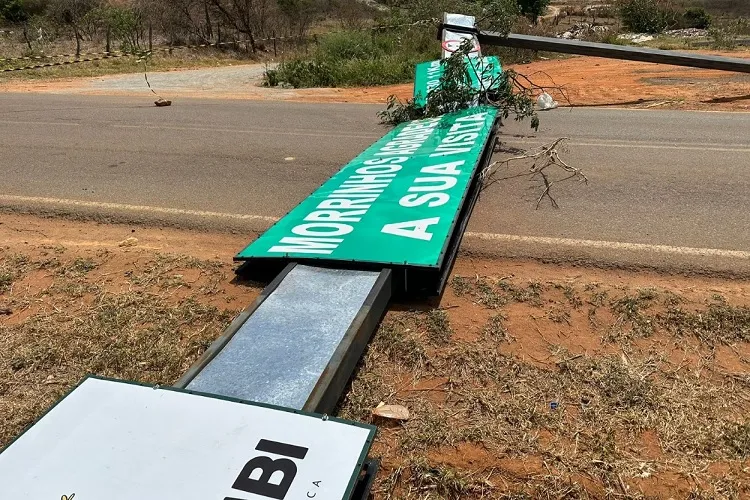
point(452, 40)
point(120, 441)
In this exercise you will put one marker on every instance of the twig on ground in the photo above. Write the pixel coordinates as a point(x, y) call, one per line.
point(544, 158)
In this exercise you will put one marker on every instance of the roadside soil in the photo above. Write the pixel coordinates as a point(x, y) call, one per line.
point(587, 81)
point(525, 380)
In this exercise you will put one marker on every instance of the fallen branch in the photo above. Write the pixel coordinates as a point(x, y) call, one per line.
point(545, 158)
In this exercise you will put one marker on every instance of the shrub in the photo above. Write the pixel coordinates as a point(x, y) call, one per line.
point(346, 45)
point(387, 56)
point(301, 74)
point(696, 17)
point(359, 58)
point(647, 16)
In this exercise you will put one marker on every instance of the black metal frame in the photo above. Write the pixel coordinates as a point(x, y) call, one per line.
point(366, 479)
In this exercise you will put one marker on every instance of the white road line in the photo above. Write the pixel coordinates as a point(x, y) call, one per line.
point(16, 122)
point(131, 208)
point(268, 131)
point(507, 238)
point(610, 245)
point(271, 131)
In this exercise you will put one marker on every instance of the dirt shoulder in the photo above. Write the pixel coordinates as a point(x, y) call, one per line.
point(524, 379)
point(588, 81)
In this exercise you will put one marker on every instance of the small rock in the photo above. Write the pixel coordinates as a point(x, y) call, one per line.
point(161, 102)
point(129, 242)
point(5, 311)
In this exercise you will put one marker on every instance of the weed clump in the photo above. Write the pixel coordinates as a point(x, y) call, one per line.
point(737, 439)
point(398, 346)
point(439, 330)
point(721, 323)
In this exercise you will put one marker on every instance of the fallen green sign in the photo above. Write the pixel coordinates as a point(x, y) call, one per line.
point(396, 203)
point(484, 73)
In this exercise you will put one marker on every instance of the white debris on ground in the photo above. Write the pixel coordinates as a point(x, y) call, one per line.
point(636, 37)
point(583, 30)
point(687, 33)
point(578, 31)
point(645, 37)
point(546, 102)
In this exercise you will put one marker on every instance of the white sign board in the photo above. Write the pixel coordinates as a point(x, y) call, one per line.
point(452, 40)
point(110, 440)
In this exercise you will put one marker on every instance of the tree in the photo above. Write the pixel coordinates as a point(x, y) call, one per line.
point(127, 26)
point(71, 13)
point(13, 11)
point(299, 14)
point(245, 16)
point(510, 93)
point(533, 8)
point(21, 12)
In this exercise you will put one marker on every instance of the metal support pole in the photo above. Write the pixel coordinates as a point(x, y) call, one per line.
point(611, 51)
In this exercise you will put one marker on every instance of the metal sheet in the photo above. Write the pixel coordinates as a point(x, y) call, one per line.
point(278, 355)
point(395, 204)
point(484, 73)
point(452, 39)
point(116, 440)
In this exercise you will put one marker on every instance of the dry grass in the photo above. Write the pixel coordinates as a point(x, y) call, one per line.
point(526, 386)
point(73, 315)
point(648, 409)
point(162, 61)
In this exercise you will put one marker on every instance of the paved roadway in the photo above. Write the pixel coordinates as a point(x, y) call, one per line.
point(667, 189)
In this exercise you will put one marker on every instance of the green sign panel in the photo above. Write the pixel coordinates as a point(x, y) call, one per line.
point(396, 203)
point(484, 73)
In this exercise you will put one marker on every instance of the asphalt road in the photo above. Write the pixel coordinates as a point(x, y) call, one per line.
point(667, 189)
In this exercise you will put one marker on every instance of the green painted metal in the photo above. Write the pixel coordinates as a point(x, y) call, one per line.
point(483, 71)
point(396, 203)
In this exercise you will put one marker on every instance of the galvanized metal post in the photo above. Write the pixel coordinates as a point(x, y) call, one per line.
point(611, 51)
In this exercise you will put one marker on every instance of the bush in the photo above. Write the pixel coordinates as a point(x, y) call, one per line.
point(725, 36)
point(647, 16)
point(696, 17)
point(347, 45)
point(303, 74)
point(359, 58)
point(387, 56)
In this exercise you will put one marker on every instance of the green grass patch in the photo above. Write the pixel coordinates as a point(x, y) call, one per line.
point(354, 58)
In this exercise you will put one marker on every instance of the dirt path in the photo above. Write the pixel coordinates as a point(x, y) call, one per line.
point(588, 81)
point(525, 380)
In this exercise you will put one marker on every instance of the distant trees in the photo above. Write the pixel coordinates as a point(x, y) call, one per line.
point(178, 21)
point(655, 16)
point(533, 8)
point(21, 12)
point(71, 13)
